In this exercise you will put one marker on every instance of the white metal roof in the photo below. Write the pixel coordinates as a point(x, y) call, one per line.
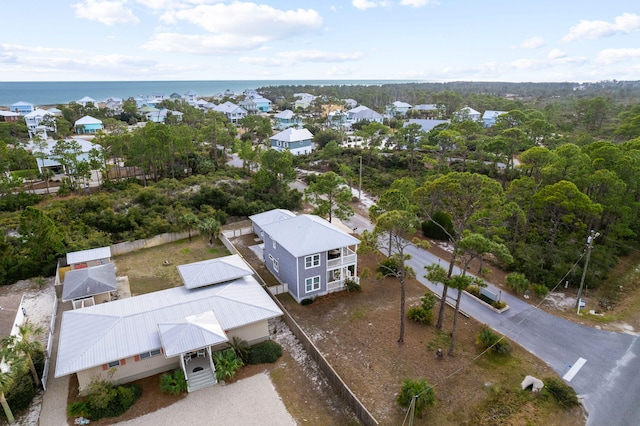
point(38, 113)
point(293, 135)
point(86, 282)
point(87, 119)
point(99, 334)
point(88, 255)
point(270, 216)
point(86, 99)
point(307, 234)
point(201, 330)
point(213, 271)
point(287, 114)
point(492, 114)
point(425, 124)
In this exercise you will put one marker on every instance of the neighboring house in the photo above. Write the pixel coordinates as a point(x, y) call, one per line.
point(22, 108)
point(190, 97)
point(114, 105)
point(9, 116)
point(52, 162)
point(286, 119)
point(262, 104)
point(160, 115)
point(426, 107)
point(249, 105)
point(34, 119)
point(88, 258)
point(309, 255)
point(55, 111)
point(88, 125)
point(298, 141)
point(137, 337)
point(89, 286)
point(363, 113)
point(304, 100)
point(351, 103)
point(233, 112)
point(337, 119)
point(265, 218)
point(489, 117)
point(467, 113)
point(87, 100)
point(12, 314)
point(398, 108)
point(175, 96)
point(141, 101)
point(426, 125)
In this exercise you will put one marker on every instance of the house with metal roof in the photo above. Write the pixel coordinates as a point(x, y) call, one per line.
point(233, 112)
point(363, 113)
point(425, 124)
point(309, 255)
point(137, 337)
point(22, 108)
point(489, 117)
point(88, 258)
point(87, 100)
point(397, 108)
point(34, 121)
point(89, 286)
point(297, 141)
point(466, 113)
point(259, 220)
point(285, 119)
point(88, 125)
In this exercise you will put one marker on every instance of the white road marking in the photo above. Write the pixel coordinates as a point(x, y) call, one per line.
point(574, 369)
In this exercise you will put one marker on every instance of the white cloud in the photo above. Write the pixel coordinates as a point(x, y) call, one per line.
point(532, 43)
point(203, 44)
point(590, 30)
point(364, 4)
point(610, 56)
point(556, 54)
point(106, 12)
point(415, 3)
point(293, 57)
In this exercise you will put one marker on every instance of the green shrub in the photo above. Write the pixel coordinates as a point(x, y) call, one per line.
point(21, 394)
point(128, 395)
point(540, 290)
point(306, 302)
point(241, 348)
point(265, 352)
point(389, 266)
point(227, 364)
point(77, 409)
point(488, 339)
point(561, 392)
point(423, 314)
point(352, 286)
point(517, 282)
point(104, 399)
point(433, 228)
point(173, 383)
point(410, 388)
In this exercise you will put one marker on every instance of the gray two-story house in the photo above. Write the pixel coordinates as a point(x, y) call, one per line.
point(310, 255)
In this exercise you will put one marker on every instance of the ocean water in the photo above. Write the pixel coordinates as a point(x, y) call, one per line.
point(45, 93)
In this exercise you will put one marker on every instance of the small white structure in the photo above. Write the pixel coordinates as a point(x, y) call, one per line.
point(536, 384)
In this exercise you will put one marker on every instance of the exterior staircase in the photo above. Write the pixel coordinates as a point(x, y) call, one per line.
point(201, 379)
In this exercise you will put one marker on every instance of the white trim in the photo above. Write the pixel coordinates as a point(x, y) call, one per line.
point(312, 282)
point(314, 261)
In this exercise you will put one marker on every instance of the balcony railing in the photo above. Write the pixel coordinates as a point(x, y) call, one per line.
point(340, 284)
point(349, 259)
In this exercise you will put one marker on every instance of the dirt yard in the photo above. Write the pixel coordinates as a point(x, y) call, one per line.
point(358, 334)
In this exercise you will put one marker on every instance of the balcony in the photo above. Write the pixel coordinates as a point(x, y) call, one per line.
point(342, 257)
point(340, 284)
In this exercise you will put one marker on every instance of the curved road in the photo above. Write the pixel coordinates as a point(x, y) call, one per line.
point(609, 381)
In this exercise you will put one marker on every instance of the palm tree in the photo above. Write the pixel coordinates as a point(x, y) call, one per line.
point(23, 345)
point(209, 227)
point(11, 366)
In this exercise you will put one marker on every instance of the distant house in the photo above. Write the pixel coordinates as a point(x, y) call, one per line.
point(427, 110)
point(262, 104)
point(190, 97)
point(351, 103)
point(233, 112)
point(298, 141)
point(114, 105)
point(363, 113)
point(309, 255)
point(337, 119)
point(489, 117)
point(398, 108)
point(426, 125)
point(55, 112)
point(249, 105)
point(467, 113)
point(89, 286)
point(286, 119)
point(160, 115)
point(175, 96)
point(34, 123)
point(87, 258)
point(304, 100)
point(88, 125)
point(9, 116)
point(87, 100)
point(52, 162)
point(137, 337)
point(22, 108)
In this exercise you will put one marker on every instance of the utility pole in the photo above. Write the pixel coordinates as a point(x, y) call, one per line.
point(592, 236)
point(360, 185)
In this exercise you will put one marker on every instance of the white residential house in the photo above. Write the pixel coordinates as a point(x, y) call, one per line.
point(363, 113)
point(233, 112)
point(297, 141)
point(190, 97)
point(467, 113)
point(88, 125)
point(398, 108)
point(34, 120)
point(87, 100)
point(136, 337)
point(489, 117)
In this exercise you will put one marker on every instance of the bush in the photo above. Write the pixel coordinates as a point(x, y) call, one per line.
point(352, 286)
point(561, 392)
point(21, 393)
point(227, 364)
point(107, 400)
point(517, 282)
point(540, 290)
point(265, 352)
point(410, 388)
point(241, 348)
point(77, 409)
point(306, 302)
point(433, 228)
point(423, 314)
point(173, 383)
point(488, 339)
point(389, 266)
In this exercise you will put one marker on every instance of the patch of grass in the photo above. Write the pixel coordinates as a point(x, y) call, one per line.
point(358, 314)
point(213, 250)
point(441, 340)
point(185, 250)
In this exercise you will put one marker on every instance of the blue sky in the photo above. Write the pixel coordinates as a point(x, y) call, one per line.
point(444, 40)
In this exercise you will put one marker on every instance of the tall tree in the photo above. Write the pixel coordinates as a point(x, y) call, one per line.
point(24, 345)
point(41, 240)
point(330, 194)
point(209, 227)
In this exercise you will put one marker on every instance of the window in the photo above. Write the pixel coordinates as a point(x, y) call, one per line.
point(312, 261)
point(149, 354)
point(312, 284)
point(114, 364)
point(275, 264)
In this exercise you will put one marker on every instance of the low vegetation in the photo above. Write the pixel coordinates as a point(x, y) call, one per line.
point(265, 352)
point(104, 400)
point(174, 382)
